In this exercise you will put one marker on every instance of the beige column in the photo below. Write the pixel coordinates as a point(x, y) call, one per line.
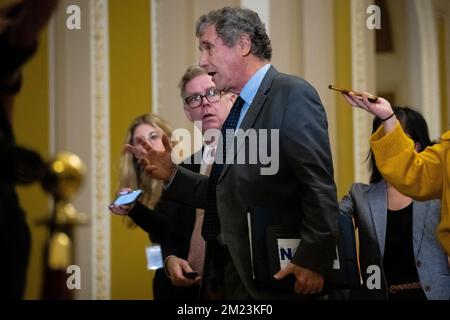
point(317, 37)
point(428, 64)
point(363, 78)
point(79, 98)
point(262, 7)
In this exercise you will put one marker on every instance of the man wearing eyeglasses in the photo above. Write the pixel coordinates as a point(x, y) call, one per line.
point(207, 107)
point(200, 99)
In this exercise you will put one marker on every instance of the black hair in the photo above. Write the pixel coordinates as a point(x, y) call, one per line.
point(414, 125)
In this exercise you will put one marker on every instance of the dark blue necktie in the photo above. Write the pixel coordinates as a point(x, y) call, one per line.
point(211, 223)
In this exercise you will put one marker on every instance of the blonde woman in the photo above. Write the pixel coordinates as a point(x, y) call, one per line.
point(130, 176)
point(167, 223)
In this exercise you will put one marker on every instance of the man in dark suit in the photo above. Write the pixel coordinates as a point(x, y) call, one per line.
point(175, 226)
point(300, 192)
point(208, 108)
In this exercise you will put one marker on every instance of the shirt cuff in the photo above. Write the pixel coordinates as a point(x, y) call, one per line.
point(165, 264)
point(166, 186)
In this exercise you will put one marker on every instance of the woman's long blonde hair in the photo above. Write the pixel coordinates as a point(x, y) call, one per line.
point(131, 174)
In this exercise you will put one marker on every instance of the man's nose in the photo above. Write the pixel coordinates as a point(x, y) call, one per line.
point(205, 102)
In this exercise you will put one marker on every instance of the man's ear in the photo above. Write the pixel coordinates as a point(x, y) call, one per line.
point(187, 113)
point(245, 44)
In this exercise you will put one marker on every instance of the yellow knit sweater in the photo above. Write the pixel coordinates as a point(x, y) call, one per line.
point(422, 176)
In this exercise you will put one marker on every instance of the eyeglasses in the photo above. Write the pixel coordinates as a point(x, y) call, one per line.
point(196, 100)
point(152, 138)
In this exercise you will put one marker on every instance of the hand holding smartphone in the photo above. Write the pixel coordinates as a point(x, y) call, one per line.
point(190, 275)
point(127, 198)
point(370, 97)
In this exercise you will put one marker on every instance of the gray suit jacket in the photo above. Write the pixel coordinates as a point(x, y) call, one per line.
point(302, 193)
point(368, 205)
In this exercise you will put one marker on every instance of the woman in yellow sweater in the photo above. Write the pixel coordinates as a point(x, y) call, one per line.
point(422, 176)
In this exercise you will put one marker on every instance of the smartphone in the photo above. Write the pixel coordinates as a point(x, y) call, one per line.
point(127, 198)
point(190, 275)
point(370, 97)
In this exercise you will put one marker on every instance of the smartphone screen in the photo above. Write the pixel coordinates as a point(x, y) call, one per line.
point(190, 275)
point(127, 198)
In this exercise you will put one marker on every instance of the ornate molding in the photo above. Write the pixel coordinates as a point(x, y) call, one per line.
point(100, 148)
point(363, 75)
point(155, 49)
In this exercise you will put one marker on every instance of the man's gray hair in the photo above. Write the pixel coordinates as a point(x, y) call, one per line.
point(230, 23)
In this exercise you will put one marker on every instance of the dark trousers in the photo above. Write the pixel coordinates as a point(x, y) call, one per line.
point(220, 277)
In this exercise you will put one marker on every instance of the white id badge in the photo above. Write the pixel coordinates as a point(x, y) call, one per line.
point(154, 257)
